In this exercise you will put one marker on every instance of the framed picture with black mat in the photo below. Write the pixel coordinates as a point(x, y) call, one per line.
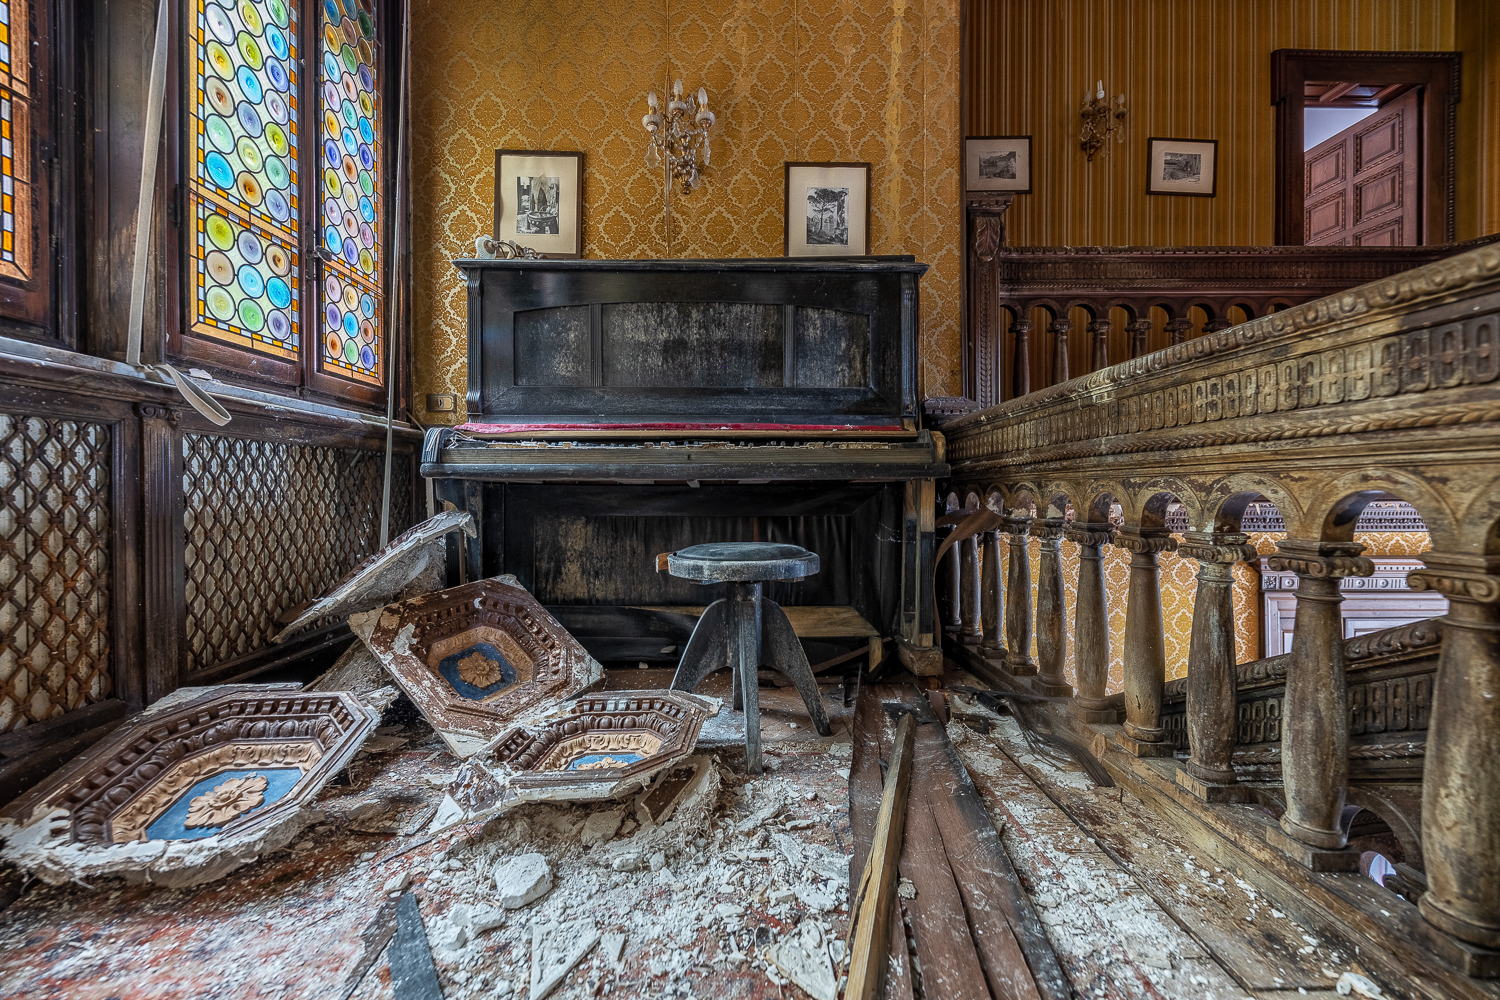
point(997, 163)
point(827, 210)
point(539, 200)
point(1182, 166)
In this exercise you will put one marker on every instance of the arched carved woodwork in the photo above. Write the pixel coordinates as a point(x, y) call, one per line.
point(1257, 280)
point(1386, 388)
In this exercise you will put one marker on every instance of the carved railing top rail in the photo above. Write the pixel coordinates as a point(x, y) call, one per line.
point(1412, 356)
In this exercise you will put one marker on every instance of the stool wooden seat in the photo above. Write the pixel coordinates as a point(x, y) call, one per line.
point(732, 629)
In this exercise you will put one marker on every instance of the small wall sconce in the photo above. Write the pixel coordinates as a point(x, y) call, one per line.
point(1097, 113)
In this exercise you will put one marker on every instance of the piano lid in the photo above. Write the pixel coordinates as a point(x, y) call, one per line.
point(742, 347)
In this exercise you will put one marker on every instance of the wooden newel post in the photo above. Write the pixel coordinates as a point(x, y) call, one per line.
point(1051, 636)
point(991, 598)
point(1461, 776)
point(1145, 650)
point(1211, 688)
point(1018, 600)
point(1315, 719)
point(969, 631)
point(1091, 623)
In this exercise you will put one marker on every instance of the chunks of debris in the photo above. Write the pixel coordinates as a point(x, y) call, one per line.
point(554, 952)
point(522, 880)
point(602, 826)
point(474, 789)
point(803, 958)
point(397, 882)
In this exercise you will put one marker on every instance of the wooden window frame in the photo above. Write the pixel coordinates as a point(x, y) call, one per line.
point(1435, 73)
point(303, 376)
point(43, 308)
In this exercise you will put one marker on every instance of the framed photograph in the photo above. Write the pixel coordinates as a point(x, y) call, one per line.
point(1182, 166)
point(539, 200)
point(997, 163)
point(827, 210)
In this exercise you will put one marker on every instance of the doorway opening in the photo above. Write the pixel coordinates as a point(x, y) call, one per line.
point(1364, 147)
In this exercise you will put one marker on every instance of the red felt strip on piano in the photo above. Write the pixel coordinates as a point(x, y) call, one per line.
point(473, 428)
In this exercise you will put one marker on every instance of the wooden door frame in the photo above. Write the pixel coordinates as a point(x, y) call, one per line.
point(1436, 72)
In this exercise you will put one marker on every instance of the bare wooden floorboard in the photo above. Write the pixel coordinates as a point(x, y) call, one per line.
point(945, 946)
point(993, 899)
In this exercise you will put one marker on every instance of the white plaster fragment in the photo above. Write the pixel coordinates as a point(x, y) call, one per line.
point(522, 880)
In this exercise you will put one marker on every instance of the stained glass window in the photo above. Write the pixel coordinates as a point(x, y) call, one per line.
point(349, 218)
point(242, 187)
point(15, 142)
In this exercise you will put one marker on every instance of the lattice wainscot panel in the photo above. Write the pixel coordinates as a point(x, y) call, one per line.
point(270, 526)
point(54, 567)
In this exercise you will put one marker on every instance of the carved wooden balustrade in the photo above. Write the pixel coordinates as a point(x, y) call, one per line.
point(1388, 389)
point(1037, 314)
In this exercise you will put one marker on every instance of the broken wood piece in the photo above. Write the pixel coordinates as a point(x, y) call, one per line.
point(869, 924)
point(374, 939)
point(413, 976)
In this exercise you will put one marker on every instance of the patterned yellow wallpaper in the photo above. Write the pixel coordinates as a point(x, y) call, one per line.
point(1179, 584)
point(788, 80)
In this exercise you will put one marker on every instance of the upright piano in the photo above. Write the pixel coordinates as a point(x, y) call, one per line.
point(621, 409)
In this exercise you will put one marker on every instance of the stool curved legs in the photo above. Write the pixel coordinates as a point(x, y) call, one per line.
point(785, 654)
point(747, 623)
point(707, 648)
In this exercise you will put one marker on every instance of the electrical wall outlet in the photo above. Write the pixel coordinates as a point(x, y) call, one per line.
point(442, 402)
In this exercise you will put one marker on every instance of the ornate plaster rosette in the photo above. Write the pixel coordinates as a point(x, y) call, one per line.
point(597, 746)
point(200, 783)
point(474, 659)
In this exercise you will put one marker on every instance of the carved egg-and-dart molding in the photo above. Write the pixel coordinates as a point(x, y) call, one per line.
point(476, 658)
point(197, 785)
point(597, 746)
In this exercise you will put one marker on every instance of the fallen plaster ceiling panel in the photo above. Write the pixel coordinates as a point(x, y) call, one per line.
point(412, 564)
point(599, 746)
point(197, 785)
point(477, 658)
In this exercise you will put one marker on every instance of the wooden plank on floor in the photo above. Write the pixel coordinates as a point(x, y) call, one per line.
point(945, 946)
point(994, 902)
point(865, 787)
point(413, 976)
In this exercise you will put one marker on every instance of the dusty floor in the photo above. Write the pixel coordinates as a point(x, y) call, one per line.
point(696, 907)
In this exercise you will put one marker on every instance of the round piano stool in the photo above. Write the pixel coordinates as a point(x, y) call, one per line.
point(743, 629)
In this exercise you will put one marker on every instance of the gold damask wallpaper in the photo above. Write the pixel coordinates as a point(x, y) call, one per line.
point(787, 79)
point(1179, 584)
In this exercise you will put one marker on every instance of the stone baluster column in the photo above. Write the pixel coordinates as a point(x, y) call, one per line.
point(991, 599)
point(1315, 713)
point(1179, 329)
point(1059, 329)
point(1099, 330)
point(1051, 636)
point(1461, 775)
point(1145, 650)
point(1139, 330)
point(1021, 368)
point(1211, 687)
point(1018, 660)
point(969, 630)
point(1091, 623)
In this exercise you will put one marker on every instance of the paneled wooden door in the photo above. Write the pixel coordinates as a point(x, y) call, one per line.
point(1361, 186)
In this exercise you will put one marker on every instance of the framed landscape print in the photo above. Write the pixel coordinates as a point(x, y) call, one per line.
point(539, 200)
point(997, 163)
point(1182, 166)
point(827, 209)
